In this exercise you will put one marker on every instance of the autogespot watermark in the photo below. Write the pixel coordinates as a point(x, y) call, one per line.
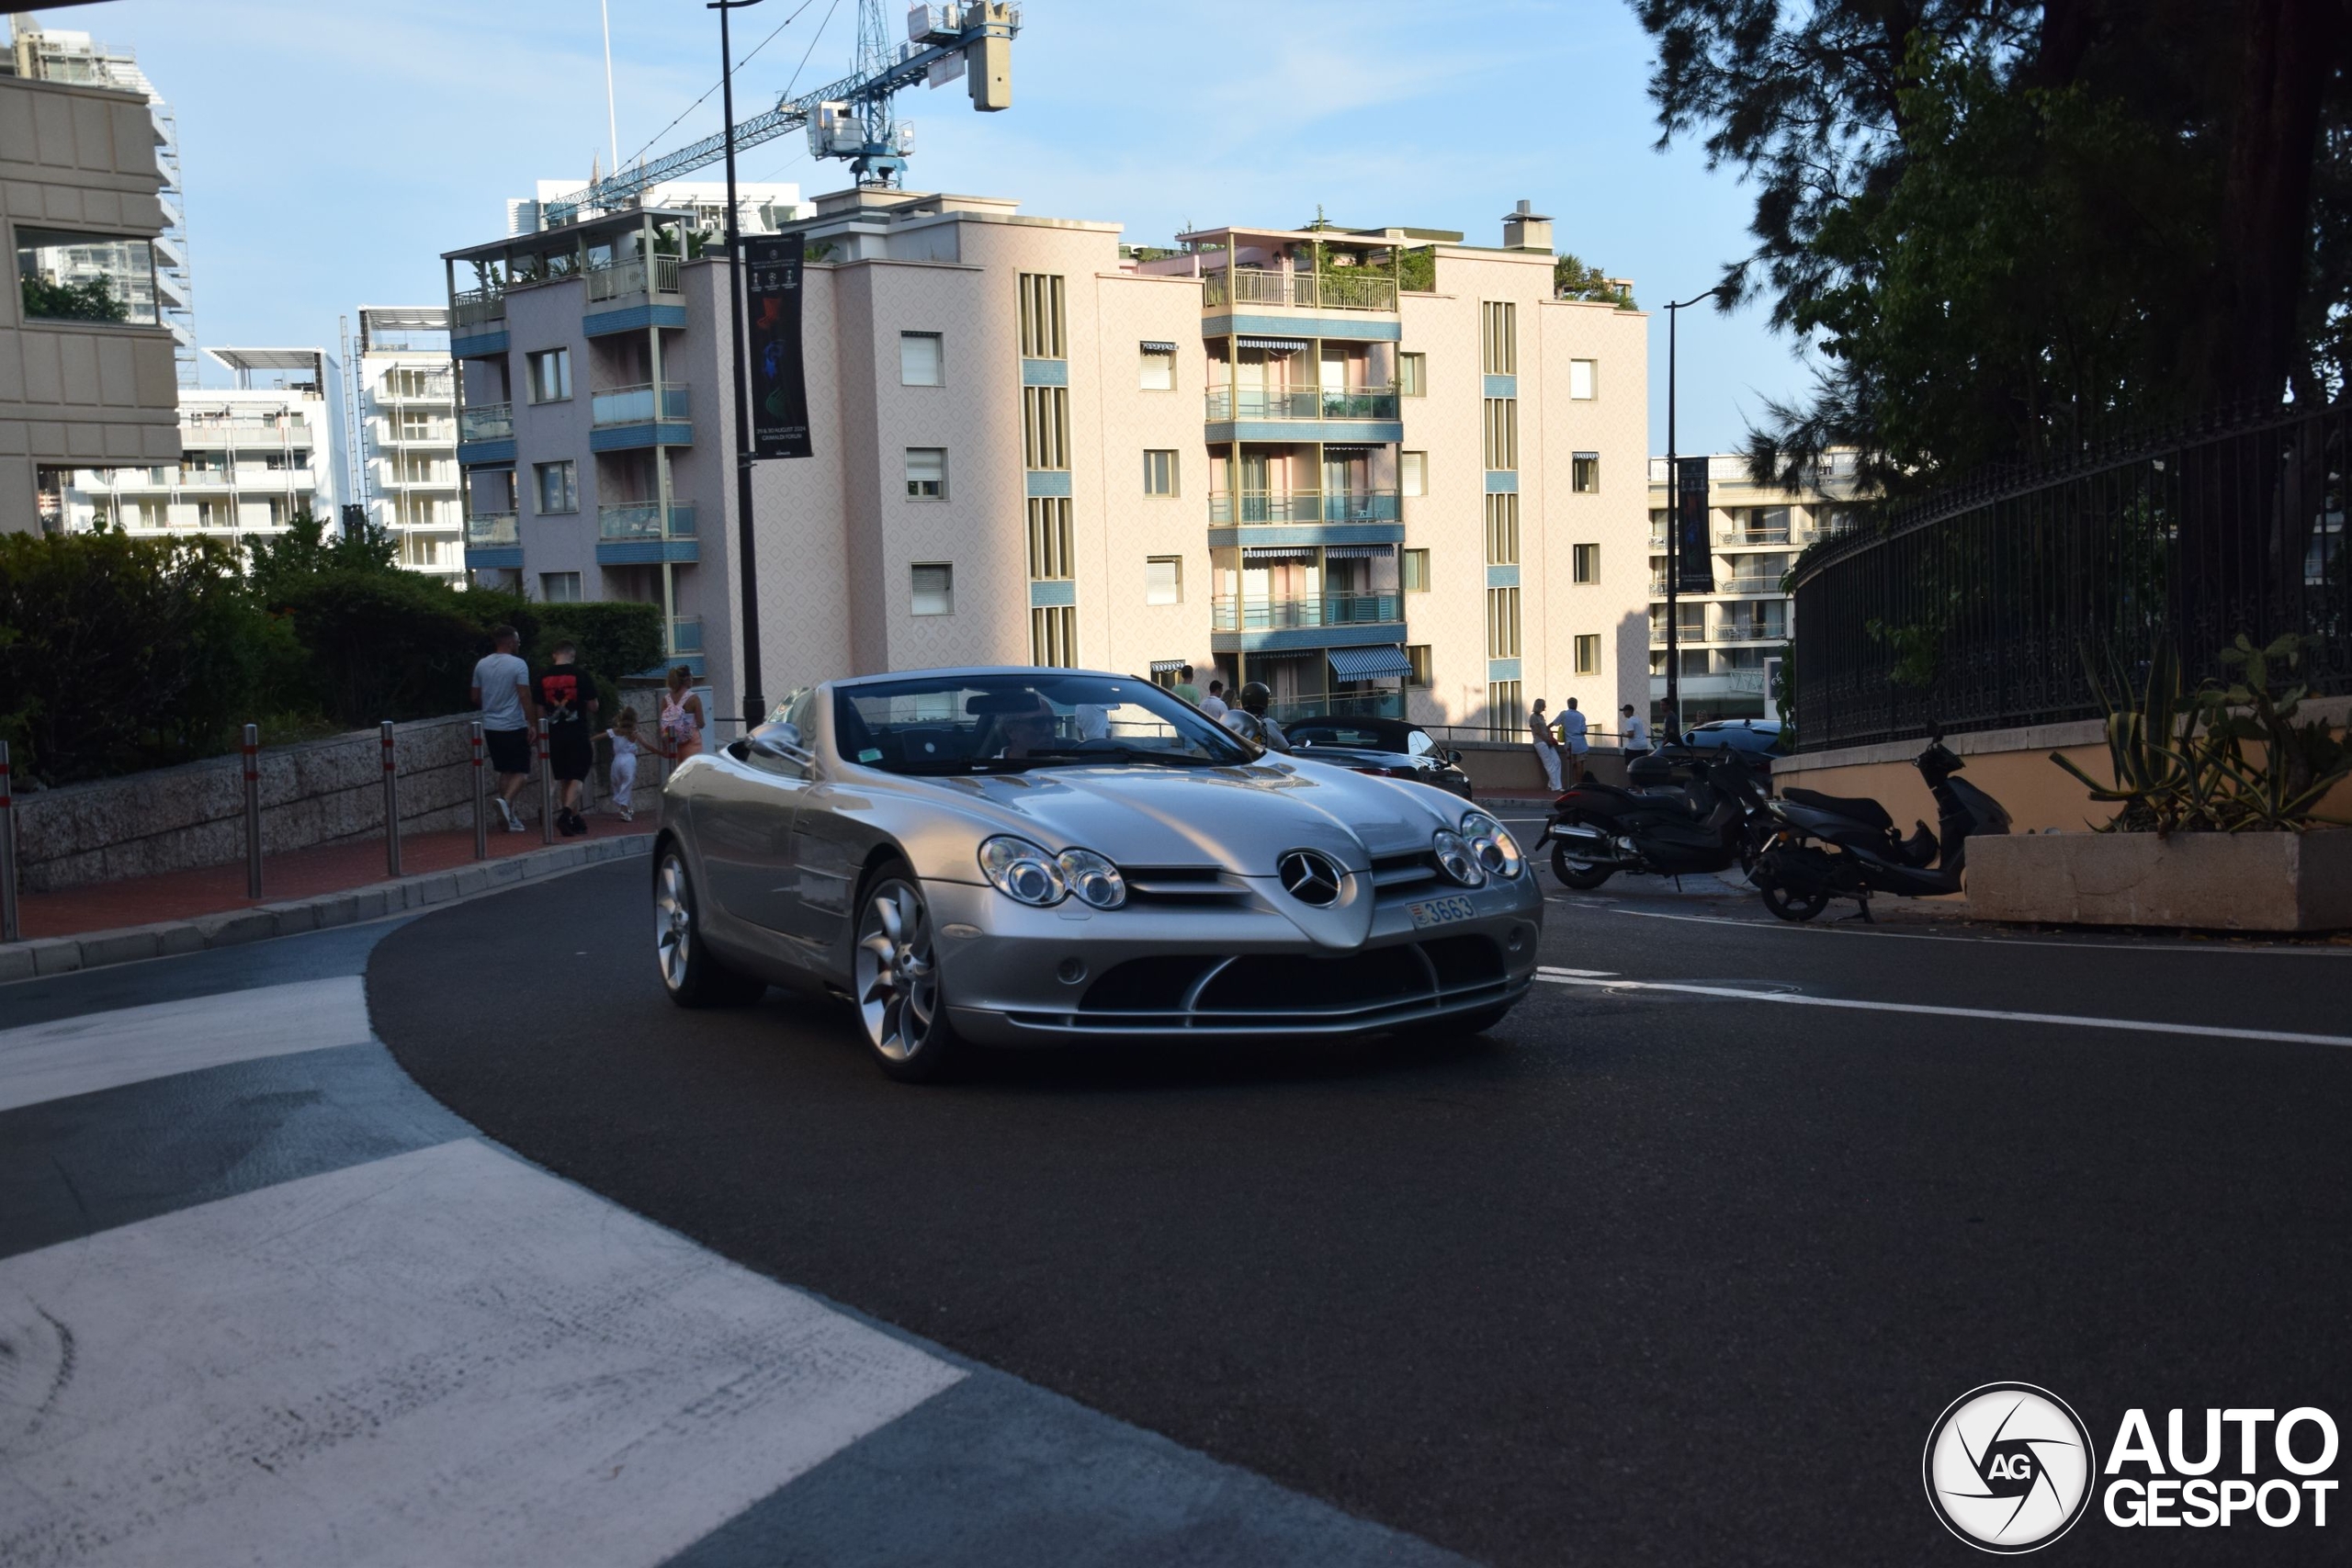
point(2009, 1468)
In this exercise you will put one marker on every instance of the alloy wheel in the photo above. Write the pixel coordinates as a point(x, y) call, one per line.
point(897, 980)
point(674, 922)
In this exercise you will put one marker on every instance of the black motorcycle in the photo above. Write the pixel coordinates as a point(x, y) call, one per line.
point(1843, 847)
point(1713, 818)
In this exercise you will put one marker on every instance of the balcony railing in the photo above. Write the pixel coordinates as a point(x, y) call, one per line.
point(1230, 614)
point(686, 635)
point(1779, 536)
point(1658, 586)
point(491, 530)
point(1751, 582)
point(642, 520)
point(489, 421)
point(1300, 403)
point(1303, 506)
point(618, 280)
point(433, 390)
point(634, 405)
point(1765, 631)
point(472, 307)
point(1328, 291)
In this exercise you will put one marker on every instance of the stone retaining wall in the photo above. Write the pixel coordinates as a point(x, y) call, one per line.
point(320, 792)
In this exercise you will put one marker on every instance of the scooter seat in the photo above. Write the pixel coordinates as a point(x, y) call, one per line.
point(1869, 812)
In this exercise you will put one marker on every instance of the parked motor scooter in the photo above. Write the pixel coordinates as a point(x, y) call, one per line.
point(1715, 820)
point(1856, 852)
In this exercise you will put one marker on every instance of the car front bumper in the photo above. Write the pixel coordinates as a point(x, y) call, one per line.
point(1014, 975)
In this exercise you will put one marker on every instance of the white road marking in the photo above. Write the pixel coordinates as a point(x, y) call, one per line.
point(446, 1356)
point(2122, 944)
point(1574, 973)
point(2075, 1020)
point(105, 1050)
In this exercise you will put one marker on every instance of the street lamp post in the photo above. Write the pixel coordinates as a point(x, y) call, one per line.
point(747, 569)
point(1674, 527)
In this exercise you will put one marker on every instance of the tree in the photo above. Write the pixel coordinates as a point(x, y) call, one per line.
point(1572, 279)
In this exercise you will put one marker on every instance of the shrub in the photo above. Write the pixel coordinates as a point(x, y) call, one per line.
point(382, 645)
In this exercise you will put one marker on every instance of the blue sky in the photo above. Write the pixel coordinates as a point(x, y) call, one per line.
point(333, 151)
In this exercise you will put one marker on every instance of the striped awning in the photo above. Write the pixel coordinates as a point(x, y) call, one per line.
point(1166, 666)
point(1277, 552)
point(1159, 349)
point(1278, 345)
point(1368, 663)
point(1358, 552)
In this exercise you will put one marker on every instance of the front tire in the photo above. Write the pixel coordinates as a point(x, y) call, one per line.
point(1575, 870)
point(691, 973)
point(895, 981)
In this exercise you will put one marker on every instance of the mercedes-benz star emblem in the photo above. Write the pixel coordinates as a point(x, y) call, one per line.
point(1310, 877)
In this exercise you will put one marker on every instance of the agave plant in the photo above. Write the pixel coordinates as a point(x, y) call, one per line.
point(2181, 760)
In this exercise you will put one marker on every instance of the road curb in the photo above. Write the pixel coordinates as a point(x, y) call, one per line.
point(128, 944)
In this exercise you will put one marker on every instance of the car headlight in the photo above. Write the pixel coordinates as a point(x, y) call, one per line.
point(1095, 880)
point(1455, 858)
point(1020, 870)
point(1491, 842)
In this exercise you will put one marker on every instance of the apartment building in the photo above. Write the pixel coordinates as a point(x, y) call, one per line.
point(406, 392)
point(251, 458)
point(50, 55)
point(1372, 469)
point(1725, 635)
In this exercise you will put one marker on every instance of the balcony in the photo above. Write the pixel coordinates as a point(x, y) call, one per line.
point(1753, 631)
point(430, 389)
point(1224, 404)
point(634, 405)
point(1779, 536)
point(619, 280)
point(1355, 704)
point(486, 422)
point(1751, 582)
point(1303, 506)
point(204, 478)
point(492, 531)
point(476, 307)
point(1307, 290)
point(685, 635)
point(1657, 586)
point(1230, 614)
point(642, 520)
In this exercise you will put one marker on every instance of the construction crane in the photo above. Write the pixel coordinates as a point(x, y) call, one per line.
point(851, 118)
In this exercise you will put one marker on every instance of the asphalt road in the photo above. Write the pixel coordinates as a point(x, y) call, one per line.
point(1643, 1276)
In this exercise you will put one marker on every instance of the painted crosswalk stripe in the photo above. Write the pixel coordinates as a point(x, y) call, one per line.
point(444, 1357)
point(106, 1050)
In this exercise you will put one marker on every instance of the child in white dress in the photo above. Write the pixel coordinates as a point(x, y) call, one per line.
point(623, 735)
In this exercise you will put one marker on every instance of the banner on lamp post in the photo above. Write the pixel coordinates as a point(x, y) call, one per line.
point(1694, 554)
point(779, 387)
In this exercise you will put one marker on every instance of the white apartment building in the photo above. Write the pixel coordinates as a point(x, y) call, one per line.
point(1725, 634)
point(407, 394)
point(252, 456)
point(1257, 456)
point(48, 54)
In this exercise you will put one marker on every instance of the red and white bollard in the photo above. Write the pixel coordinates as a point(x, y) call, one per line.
point(7, 850)
point(482, 797)
point(253, 810)
point(392, 804)
point(547, 789)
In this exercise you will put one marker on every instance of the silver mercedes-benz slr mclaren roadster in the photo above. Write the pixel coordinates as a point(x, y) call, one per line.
point(1033, 855)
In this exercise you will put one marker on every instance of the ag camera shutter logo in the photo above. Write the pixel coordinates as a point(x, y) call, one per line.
point(2009, 1467)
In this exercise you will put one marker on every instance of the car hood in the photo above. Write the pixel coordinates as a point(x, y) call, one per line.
point(1242, 818)
point(1375, 756)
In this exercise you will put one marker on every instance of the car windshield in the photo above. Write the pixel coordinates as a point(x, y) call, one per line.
point(967, 724)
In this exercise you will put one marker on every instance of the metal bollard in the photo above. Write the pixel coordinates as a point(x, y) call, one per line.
point(7, 850)
point(392, 804)
point(253, 810)
point(482, 797)
point(547, 789)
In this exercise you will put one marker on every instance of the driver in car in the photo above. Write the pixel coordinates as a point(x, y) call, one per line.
point(1023, 732)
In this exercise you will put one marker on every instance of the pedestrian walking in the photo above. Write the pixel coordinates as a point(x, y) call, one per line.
point(623, 736)
point(1184, 687)
point(566, 695)
point(1573, 743)
point(501, 690)
point(682, 719)
point(1547, 752)
point(1637, 734)
point(1214, 703)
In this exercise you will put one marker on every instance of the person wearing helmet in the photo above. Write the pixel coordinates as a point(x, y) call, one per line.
point(1250, 720)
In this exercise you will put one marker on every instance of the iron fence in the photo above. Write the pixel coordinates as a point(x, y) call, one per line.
point(2001, 603)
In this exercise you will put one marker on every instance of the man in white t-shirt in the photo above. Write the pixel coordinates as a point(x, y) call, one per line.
point(1637, 733)
point(1573, 744)
point(501, 688)
point(1214, 703)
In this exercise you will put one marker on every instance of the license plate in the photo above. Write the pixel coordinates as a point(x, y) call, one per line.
point(1439, 911)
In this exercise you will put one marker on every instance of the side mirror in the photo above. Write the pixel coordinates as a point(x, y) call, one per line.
point(1453, 756)
point(780, 741)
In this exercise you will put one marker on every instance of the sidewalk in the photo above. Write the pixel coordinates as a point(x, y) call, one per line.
point(299, 874)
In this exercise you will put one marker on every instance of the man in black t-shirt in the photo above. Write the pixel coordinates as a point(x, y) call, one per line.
point(566, 695)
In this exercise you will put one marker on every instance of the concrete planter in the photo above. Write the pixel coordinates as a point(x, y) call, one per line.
point(2255, 882)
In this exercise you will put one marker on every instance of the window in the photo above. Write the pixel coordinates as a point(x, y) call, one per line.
point(1158, 367)
point(1505, 713)
point(1163, 580)
point(1580, 379)
point(1502, 529)
point(557, 487)
point(1500, 320)
point(70, 277)
point(1050, 541)
point(489, 492)
point(1589, 653)
point(1053, 635)
point(559, 587)
point(1041, 316)
point(1160, 473)
point(1414, 571)
point(1502, 433)
point(934, 589)
point(1584, 472)
point(1413, 375)
point(1416, 660)
point(919, 361)
point(1413, 472)
point(549, 375)
point(1588, 563)
point(926, 473)
point(1502, 622)
point(1045, 427)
